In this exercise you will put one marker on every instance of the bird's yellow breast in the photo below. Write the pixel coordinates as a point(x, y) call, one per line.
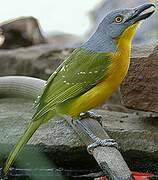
point(116, 73)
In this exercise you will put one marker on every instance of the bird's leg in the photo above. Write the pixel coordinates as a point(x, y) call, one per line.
point(97, 141)
point(90, 114)
point(103, 143)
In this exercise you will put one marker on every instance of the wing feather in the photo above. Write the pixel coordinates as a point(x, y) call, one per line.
point(75, 76)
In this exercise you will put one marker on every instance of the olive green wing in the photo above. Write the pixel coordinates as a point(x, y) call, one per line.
point(75, 76)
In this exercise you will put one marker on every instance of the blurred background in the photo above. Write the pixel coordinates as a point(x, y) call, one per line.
point(54, 15)
point(64, 23)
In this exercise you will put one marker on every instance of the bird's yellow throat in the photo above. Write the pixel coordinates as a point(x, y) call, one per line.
point(121, 58)
point(124, 40)
point(120, 63)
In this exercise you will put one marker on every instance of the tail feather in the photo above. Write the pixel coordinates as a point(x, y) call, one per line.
point(34, 125)
point(20, 145)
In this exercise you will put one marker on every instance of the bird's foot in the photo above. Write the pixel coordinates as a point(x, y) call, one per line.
point(72, 120)
point(97, 141)
point(103, 143)
point(90, 114)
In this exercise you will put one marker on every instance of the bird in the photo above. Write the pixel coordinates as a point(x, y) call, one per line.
point(89, 75)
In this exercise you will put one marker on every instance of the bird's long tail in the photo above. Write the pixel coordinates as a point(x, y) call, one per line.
point(20, 145)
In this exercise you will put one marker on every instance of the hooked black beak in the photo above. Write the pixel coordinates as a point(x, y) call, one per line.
point(139, 13)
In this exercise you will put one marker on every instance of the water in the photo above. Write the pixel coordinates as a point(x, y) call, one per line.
point(53, 173)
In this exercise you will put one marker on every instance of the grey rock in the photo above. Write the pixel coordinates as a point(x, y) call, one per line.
point(57, 142)
point(21, 32)
point(36, 61)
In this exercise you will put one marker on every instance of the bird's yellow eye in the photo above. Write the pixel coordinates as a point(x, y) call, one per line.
point(118, 19)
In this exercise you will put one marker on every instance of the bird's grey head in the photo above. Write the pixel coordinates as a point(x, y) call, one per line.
point(117, 21)
point(114, 24)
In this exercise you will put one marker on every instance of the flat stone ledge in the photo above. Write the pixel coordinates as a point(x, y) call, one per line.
point(135, 134)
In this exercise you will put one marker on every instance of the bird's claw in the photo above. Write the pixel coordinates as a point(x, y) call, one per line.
point(103, 143)
point(72, 120)
point(90, 114)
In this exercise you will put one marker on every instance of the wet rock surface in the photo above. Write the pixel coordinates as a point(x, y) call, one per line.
point(57, 143)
